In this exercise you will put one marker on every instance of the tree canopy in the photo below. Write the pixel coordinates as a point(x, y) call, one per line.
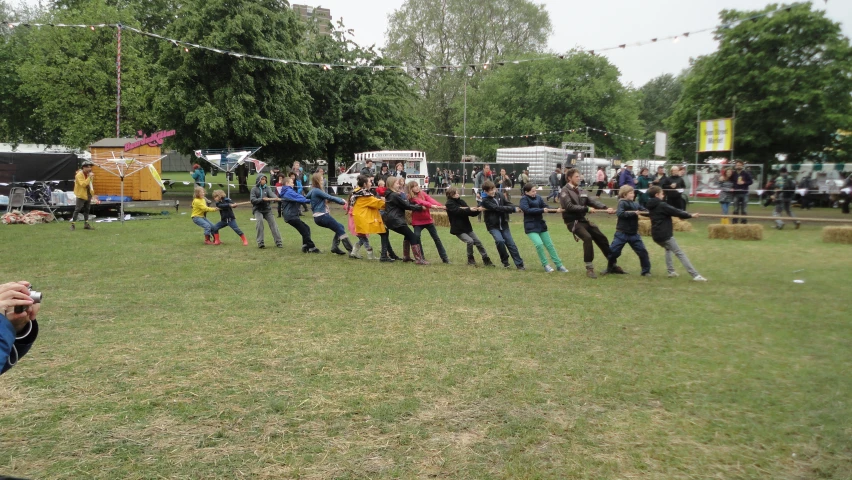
point(789, 76)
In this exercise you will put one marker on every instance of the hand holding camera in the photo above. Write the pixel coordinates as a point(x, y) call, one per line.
point(19, 303)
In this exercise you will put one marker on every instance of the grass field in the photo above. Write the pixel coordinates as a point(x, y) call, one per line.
point(160, 357)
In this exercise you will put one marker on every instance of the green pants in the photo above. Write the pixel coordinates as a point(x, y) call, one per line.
point(542, 241)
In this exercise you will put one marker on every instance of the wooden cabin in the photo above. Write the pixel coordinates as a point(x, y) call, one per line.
point(140, 185)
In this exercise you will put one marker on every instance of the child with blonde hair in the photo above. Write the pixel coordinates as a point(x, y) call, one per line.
point(199, 213)
point(422, 219)
point(627, 229)
point(225, 206)
point(322, 216)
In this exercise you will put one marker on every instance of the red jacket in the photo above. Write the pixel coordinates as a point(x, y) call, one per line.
point(423, 217)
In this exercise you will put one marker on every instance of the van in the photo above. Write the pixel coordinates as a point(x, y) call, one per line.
point(413, 162)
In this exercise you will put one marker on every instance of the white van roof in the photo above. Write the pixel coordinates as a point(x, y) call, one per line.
point(390, 155)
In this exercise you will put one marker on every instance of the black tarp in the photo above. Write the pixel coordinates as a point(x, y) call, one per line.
point(40, 167)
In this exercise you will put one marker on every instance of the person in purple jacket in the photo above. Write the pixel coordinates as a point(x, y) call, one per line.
point(627, 177)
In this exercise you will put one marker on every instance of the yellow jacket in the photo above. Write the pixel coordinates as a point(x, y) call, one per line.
point(83, 187)
point(365, 212)
point(200, 208)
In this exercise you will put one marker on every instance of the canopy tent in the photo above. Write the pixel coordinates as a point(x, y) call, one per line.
point(35, 167)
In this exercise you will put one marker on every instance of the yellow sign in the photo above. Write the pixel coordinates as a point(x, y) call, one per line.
point(716, 135)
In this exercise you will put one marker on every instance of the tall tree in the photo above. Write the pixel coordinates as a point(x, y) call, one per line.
point(361, 109)
point(788, 75)
point(460, 32)
point(659, 97)
point(581, 90)
point(216, 100)
point(62, 81)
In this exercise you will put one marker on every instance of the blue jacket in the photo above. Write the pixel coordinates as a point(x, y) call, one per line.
point(198, 176)
point(292, 200)
point(533, 209)
point(318, 197)
point(11, 349)
point(628, 219)
point(225, 210)
point(627, 178)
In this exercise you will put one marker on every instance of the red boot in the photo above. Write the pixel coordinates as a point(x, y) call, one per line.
point(207, 240)
point(406, 251)
point(216, 239)
point(245, 241)
point(417, 250)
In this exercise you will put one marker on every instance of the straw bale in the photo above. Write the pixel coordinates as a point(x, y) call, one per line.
point(681, 225)
point(735, 232)
point(644, 227)
point(837, 235)
point(439, 218)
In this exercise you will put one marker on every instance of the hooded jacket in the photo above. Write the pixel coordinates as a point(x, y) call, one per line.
point(226, 210)
point(459, 217)
point(365, 212)
point(628, 216)
point(423, 217)
point(533, 209)
point(292, 202)
point(258, 193)
point(497, 211)
point(395, 207)
point(661, 219)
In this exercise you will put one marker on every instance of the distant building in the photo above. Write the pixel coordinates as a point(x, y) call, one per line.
point(321, 15)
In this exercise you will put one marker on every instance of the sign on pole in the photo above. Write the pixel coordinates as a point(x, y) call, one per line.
point(660, 142)
point(716, 135)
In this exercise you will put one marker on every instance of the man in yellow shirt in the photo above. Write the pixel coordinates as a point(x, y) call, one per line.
point(85, 192)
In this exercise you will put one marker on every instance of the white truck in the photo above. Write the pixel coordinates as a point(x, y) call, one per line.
point(413, 162)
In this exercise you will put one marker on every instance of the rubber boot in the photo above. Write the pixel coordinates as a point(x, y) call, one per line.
point(216, 240)
point(471, 261)
point(487, 262)
point(86, 226)
point(355, 252)
point(371, 255)
point(335, 246)
point(244, 239)
point(418, 255)
point(207, 240)
point(347, 245)
point(406, 251)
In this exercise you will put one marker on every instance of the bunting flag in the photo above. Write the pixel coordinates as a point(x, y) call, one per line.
point(847, 191)
point(186, 183)
point(258, 165)
point(334, 189)
point(759, 192)
point(802, 191)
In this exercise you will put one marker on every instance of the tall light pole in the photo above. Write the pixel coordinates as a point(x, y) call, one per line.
point(464, 143)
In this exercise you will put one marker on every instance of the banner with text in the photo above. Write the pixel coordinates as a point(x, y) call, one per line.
point(716, 135)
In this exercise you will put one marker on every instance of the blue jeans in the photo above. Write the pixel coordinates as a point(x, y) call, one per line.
point(203, 223)
point(327, 221)
point(433, 232)
point(635, 241)
point(725, 207)
point(231, 223)
point(504, 241)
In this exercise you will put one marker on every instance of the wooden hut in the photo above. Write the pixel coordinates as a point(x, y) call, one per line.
point(140, 185)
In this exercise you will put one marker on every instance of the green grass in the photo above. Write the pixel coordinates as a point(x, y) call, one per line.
point(160, 357)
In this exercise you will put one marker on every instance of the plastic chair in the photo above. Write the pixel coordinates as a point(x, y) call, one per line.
point(17, 197)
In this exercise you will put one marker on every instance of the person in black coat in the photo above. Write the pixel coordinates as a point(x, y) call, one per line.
point(394, 218)
point(672, 186)
point(662, 232)
point(497, 211)
point(459, 214)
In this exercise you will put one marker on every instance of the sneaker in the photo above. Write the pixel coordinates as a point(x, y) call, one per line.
point(673, 274)
point(72, 227)
point(617, 270)
point(261, 246)
point(548, 269)
point(646, 274)
point(314, 250)
point(779, 227)
point(386, 259)
point(506, 265)
point(798, 225)
point(88, 227)
point(521, 267)
point(698, 278)
point(591, 273)
point(279, 246)
point(562, 269)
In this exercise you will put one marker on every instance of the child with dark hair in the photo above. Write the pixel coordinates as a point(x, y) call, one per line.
point(364, 211)
point(497, 211)
point(293, 202)
point(534, 208)
point(627, 230)
point(662, 231)
point(225, 206)
point(459, 215)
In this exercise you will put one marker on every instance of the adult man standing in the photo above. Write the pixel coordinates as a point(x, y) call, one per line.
point(576, 204)
point(785, 189)
point(369, 170)
point(242, 177)
point(741, 179)
point(85, 192)
point(673, 185)
point(261, 199)
point(524, 178)
point(627, 176)
point(482, 176)
point(658, 178)
point(555, 182)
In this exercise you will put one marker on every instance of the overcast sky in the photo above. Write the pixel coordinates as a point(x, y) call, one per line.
point(604, 23)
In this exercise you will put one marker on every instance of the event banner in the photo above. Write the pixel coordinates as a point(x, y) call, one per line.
point(716, 135)
point(660, 142)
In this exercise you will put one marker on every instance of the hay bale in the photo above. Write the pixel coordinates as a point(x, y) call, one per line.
point(644, 227)
point(837, 235)
point(439, 218)
point(735, 232)
point(681, 225)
